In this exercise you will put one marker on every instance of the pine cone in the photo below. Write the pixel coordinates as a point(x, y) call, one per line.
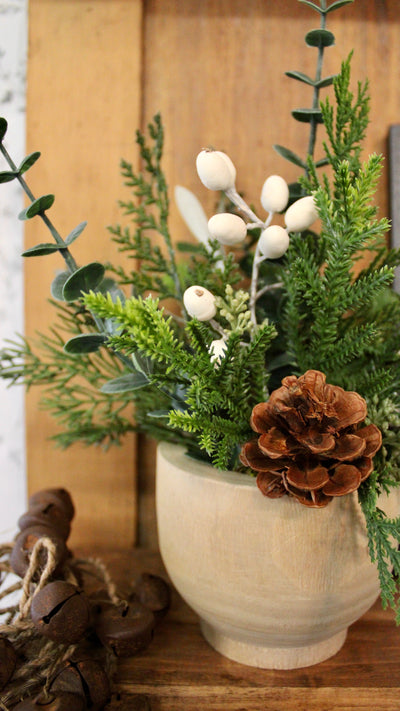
point(312, 443)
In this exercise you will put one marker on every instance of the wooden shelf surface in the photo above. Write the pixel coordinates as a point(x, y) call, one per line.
point(180, 671)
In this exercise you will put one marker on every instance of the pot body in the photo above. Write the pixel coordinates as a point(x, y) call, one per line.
point(275, 584)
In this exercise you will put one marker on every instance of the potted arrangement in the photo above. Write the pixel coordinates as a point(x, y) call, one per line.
point(265, 360)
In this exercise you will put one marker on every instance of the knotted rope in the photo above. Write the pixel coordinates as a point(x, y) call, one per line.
point(38, 657)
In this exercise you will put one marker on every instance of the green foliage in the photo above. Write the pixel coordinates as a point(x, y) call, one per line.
point(384, 540)
point(149, 211)
point(71, 383)
point(346, 129)
point(319, 39)
point(37, 207)
point(149, 242)
point(218, 398)
point(112, 364)
point(329, 317)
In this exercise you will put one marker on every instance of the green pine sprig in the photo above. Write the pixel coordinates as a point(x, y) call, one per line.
point(384, 539)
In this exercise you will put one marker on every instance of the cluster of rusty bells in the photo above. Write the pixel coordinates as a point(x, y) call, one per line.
point(312, 443)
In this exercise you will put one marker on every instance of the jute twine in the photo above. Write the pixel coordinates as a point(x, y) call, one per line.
point(40, 658)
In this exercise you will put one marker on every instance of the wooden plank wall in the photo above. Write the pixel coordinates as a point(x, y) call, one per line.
point(215, 70)
point(84, 78)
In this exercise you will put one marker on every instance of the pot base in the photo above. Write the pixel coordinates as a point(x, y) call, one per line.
point(255, 655)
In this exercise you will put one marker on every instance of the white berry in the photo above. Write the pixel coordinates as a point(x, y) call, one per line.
point(216, 170)
point(273, 242)
point(227, 228)
point(301, 215)
point(199, 303)
point(274, 194)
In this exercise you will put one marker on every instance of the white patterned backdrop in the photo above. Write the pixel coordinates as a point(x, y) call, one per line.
point(13, 49)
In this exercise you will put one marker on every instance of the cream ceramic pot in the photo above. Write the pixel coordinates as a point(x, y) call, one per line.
point(275, 584)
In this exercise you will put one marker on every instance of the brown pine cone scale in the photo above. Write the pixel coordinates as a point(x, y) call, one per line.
point(313, 444)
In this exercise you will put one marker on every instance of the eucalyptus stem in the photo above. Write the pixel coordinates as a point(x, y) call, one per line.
point(64, 251)
point(318, 75)
point(66, 254)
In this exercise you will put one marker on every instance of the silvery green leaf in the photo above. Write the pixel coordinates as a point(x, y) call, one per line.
point(36, 207)
point(28, 162)
point(289, 155)
point(326, 82)
point(109, 286)
point(111, 326)
point(84, 279)
point(311, 4)
point(158, 413)
point(320, 38)
point(142, 363)
point(75, 232)
point(192, 213)
point(57, 285)
point(301, 77)
point(125, 383)
point(39, 250)
point(7, 175)
point(337, 4)
point(307, 115)
point(84, 343)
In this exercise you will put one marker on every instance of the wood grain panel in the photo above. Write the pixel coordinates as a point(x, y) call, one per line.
point(179, 671)
point(216, 71)
point(84, 98)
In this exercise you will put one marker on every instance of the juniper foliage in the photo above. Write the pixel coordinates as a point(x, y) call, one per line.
point(114, 363)
point(216, 399)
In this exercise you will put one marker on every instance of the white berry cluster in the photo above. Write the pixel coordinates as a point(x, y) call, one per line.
point(217, 172)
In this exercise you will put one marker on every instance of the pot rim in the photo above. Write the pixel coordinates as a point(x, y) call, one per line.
point(175, 454)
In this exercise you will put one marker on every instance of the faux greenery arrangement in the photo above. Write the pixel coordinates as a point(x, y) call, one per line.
point(253, 304)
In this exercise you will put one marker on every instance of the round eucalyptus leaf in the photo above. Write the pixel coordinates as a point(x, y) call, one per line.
point(57, 285)
point(84, 343)
point(3, 128)
point(74, 234)
point(85, 279)
point(39, 250)
point(320, 38)
point(28, 162)
point(40, 205)
point(125, 383)
point(307, 115)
